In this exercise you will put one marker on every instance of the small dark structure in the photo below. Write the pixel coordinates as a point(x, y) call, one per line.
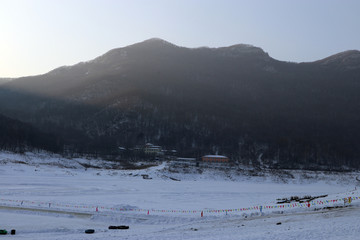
point(119, 227)
point(89, 231)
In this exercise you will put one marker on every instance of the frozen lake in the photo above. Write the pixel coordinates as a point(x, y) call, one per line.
point(68, 198)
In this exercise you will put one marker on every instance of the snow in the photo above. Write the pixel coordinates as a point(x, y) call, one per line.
point(45, 196)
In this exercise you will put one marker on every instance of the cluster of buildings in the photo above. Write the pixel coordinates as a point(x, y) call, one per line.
point(152, 149)
point(158, 151)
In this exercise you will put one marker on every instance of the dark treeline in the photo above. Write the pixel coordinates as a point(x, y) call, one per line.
point(16, 136)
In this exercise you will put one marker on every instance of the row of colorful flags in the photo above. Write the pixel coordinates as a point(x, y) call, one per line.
point(261, 208)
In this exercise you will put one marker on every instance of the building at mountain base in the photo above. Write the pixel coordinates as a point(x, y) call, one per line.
point(214, 158)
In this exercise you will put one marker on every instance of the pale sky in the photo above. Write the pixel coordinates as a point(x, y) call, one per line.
point(37, 36)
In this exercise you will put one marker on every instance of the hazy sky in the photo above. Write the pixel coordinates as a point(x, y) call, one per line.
point(37, 36)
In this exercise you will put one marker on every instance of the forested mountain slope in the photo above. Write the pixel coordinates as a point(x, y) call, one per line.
point(233, 100)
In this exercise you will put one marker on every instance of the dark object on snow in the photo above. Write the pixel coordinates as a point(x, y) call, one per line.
point(13, 231)
point(89, 231)
point(119, 227)
point(145, 176)
point(330, 208)
point(3, 232)
point(279, 223)
point(298, 199)
point(174, 179)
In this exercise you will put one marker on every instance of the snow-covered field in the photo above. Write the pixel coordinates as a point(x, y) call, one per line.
point(47, 197)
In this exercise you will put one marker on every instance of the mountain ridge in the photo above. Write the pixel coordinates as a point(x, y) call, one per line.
point(159, 42)
point(235, 100)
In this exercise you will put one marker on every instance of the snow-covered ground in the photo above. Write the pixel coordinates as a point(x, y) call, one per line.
point(48, 197)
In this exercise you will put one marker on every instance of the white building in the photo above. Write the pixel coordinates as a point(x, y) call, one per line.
point(152, 149)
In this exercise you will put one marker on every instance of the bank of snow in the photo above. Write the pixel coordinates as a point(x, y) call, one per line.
point(43, 181)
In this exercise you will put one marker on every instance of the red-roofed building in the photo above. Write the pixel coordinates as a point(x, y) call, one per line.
point(214, 158)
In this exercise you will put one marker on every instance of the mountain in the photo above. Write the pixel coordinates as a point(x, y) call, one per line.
point(4, 80)
point(348, 60)
point(19, 137)
point(234, 100)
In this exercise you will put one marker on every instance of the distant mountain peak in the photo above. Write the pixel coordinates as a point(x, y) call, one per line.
point(349, 59)
point(244, 50)
point(247, 48)
point(243, 46)
point(155, 39)
point(155, 42)
point(345, 55)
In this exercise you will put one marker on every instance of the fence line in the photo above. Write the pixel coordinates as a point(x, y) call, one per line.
point(257, 208)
